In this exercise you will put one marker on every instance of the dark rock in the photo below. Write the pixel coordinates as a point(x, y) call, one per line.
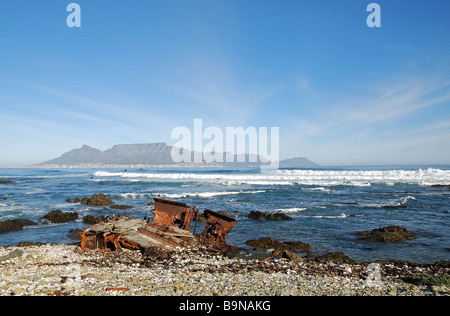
point(58, 216)
point(90, 219)
point(277, 216)
point(257, 215)
point(386, 234)
point(14, 225)
point(420, 279)
point(441, 186)
point(7, 182)
point(97, 200)
point(76, 200)
point(336, 257)
point(269, 243)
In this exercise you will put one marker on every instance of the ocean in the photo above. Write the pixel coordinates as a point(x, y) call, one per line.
point(328, 205)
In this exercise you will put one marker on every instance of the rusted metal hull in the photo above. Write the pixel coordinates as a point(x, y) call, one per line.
point(170, 229)
point(216, 229)
point(171, 213)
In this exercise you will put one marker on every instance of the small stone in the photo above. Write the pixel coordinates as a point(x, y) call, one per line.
point(17, 291)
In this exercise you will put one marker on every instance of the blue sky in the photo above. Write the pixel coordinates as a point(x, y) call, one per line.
point(340, 92)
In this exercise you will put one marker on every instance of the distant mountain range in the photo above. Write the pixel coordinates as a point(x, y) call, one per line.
point(147, 154)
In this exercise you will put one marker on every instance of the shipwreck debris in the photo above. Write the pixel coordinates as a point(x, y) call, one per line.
point(169, 230)
point(216, 229)
point(171, 213)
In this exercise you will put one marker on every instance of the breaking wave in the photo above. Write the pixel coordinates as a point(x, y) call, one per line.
point(292, 210)
point(321, 178)
point(187, 194)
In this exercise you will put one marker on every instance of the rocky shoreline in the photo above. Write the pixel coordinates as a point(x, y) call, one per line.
point(61, 270)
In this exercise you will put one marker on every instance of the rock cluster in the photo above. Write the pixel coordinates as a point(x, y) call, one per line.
point(58, 216)
point(97, 200)
point(90, 219)
point(386, 234)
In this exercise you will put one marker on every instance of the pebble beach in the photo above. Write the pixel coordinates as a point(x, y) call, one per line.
point(66, 270)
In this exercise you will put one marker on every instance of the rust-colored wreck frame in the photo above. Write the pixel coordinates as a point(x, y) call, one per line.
point(216, 229)
point(170, 229)
point(172, 213)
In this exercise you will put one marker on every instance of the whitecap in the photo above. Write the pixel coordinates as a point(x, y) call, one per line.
point(320, 178)
point(206, 194)
point(292, 209)
point(340, 216)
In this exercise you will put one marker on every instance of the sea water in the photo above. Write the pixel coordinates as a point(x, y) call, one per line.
point(327, 205)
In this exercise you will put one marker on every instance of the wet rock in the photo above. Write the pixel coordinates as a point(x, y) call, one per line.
point(7, 182)
point(257, 215)
point(386, 234)
point(336, 257)
point(276, 245)
point(58, 216)
point(14, 225)
point(97, 200)
point(441, 186)
point(90, 219)
point(276, 216)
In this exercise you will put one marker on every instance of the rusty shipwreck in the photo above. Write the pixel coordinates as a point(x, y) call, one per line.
point(171, 228)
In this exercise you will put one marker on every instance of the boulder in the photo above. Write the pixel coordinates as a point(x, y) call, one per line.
point(386, 234)
point(7, 182)
point(14, 225)
point(276, 245)
point(91, 220)
point(96, 200)
point(58, 216)
point(257, 215)
point(277, 216)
